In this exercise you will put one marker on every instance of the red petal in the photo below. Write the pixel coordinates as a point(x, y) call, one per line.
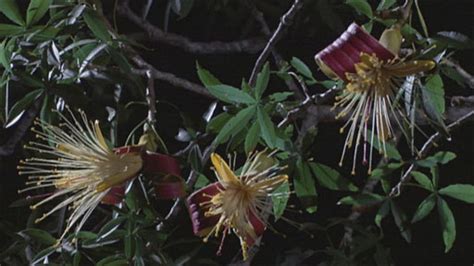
point(170, 187)
point(154, 163)
point(342, 55)
point(114, 196)
point(197, 212)
point(258, 226)
point(127, 149)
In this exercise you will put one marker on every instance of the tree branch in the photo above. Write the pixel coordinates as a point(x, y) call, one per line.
point(252, 45)
point(468, 77)
point(285, 21)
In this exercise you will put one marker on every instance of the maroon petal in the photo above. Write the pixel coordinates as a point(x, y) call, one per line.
point(114, 196)
point(154, 163)
point(201, 223)
point(258, 226)
point(170, 187)
point(342, 55)
point(127, 149)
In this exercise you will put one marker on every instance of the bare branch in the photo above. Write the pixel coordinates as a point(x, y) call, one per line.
point(252, 45)
point(429, 144)
point(285, 22)
point(468, 77)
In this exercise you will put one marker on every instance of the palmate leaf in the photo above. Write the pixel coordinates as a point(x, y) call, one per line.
point(425, 207)
point(36, 10)
point(448, 224)
point(235, 124)
point(464, 192)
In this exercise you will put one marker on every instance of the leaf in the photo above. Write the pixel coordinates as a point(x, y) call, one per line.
point(442, 157)
point(302, 68)
point(331, 178)
point(435, 89)
point(182, 7)
point(235, 124)
point(201, 181)
point(42, 254)
point(110, 226)
point(382, 213)
point(455, 40)
point(392, 151)
point(9, 29)
point(10, 9)
point(280, 96)
point(216, 124)
point(262, 81)
point(385, 4)
point(230, 94)
point(280, 198)
point(305, 187)
point(267, 127)
point(206, 77)
point(448, 224)
point(5, 55)
point(40, 236)
point(425, 207)
point(464, 192)
point(97, 25)
point(401, 221)
point(20, 106)
point(361, 6)
point(251, 140)
point(36, 10)
point(364, 199)
point(423, 180)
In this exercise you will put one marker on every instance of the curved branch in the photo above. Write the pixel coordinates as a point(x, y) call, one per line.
point(252, 45)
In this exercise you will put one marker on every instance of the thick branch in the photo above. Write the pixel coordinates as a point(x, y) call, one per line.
point(252, 45)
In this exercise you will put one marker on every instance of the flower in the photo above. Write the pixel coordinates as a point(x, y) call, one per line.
point(79, 164)
point(373, 74)
point(240, 203)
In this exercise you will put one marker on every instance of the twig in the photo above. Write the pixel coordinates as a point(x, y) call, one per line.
point(151, 100)
point(168, 77)
point(429, 144)
point(285, 21)
point(258, 15)
point(252, 45)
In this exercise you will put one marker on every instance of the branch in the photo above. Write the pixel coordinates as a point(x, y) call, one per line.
point(429, 144)
point(285, 21)
point(168, 77)
point(252, 45)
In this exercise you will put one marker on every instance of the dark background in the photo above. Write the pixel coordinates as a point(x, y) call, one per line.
point(306, 37)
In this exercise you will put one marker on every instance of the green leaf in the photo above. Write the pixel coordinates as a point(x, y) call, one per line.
point(280, 198)
point(464, 192)
point(9, 29)
point(42, 254)
point(5, 55)
point(266, 127)
point(201, 181)
point(113, 260)
point(382, 213)
point(302, 68)
point(385, 4)
point(40, 236)
point(448, 224)
point(182, 7)
point(10, 9)
point(252, 138)
point(433, 98)
point(368, 26)
point(216, 124)
point(280, 96)
point(235, 124)
point(401, 221)
point(423, 180)
point(110, 226)
point(425, 207)
point(36, 10)
point(20, 106)
point(364, 199)
point(262, 81)
point(392, 151)
point(331, 178)
point(454, 40)
point(206, 77)
point(361, 6)
point(305, 187)
point(230, 94)
point(96, 25)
